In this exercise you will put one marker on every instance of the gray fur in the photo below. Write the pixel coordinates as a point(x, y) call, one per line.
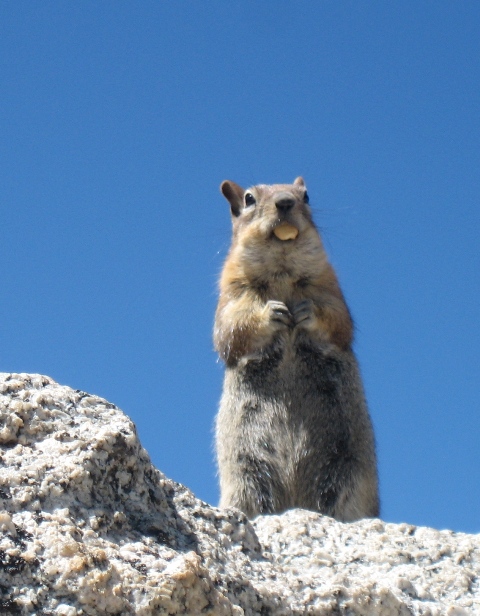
point(293, 430)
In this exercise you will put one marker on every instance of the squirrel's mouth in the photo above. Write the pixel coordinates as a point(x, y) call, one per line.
point(285, 231)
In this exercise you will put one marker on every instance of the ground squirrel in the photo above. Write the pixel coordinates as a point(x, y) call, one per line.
point(293, 429)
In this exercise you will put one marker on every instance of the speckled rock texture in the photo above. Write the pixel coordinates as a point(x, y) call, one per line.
point(89, 526)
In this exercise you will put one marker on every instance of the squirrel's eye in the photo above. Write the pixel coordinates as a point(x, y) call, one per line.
point(306, 198)
point(249, 199)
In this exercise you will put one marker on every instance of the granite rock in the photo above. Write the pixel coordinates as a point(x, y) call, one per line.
point(88, 526)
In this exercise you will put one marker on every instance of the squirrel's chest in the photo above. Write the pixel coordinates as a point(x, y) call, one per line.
point(293, 365)
point(283, 288)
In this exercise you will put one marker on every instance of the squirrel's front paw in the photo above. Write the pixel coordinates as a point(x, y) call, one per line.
point(278, 313)
point(303, 312)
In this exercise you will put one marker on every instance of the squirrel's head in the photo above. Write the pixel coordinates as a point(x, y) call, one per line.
point(279, 212)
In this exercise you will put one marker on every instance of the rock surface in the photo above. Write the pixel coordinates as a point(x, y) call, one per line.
point(89, 526)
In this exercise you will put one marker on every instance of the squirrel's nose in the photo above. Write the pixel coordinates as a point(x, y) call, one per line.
point(284, 203)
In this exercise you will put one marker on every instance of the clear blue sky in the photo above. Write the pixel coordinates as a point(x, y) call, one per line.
point(118, 122)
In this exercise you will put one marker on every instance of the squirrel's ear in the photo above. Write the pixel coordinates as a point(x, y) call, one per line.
point(299, 181)
point(233, 193)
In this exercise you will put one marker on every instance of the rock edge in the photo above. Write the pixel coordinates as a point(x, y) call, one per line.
point(89, 527)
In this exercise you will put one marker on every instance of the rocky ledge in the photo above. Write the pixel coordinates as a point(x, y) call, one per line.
point(89, 526)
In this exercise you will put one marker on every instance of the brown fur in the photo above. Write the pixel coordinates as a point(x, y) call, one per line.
point(278, 298)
